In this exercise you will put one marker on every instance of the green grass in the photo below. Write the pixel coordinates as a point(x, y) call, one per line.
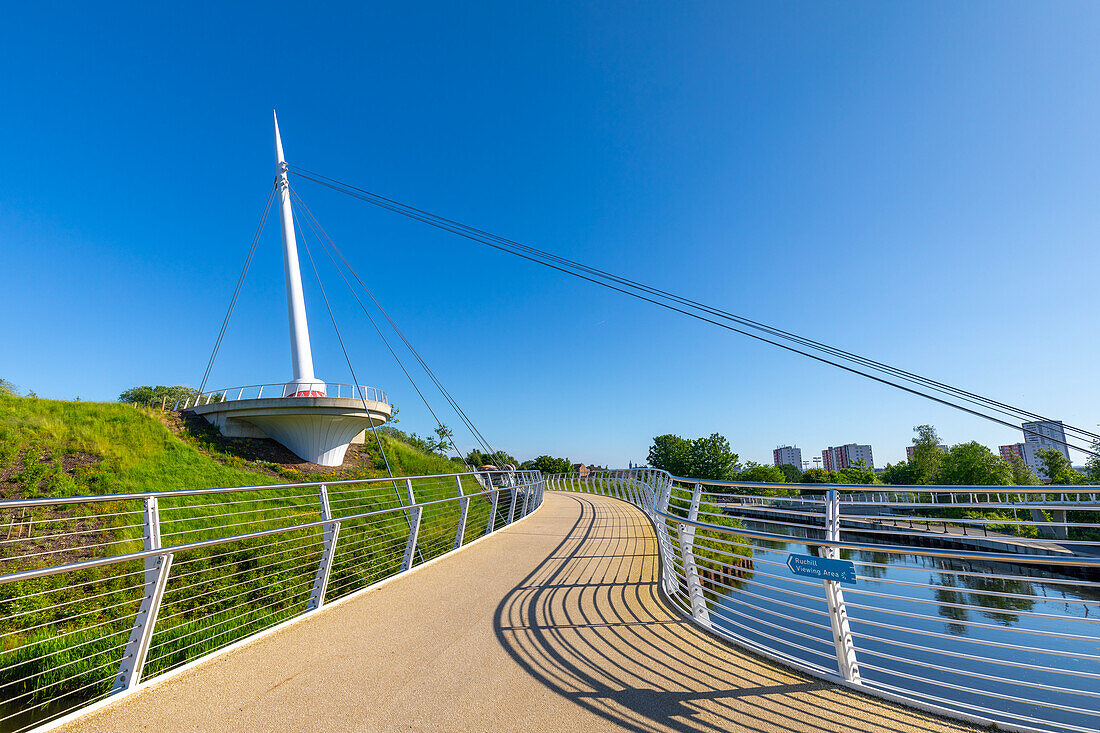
point(59, 635)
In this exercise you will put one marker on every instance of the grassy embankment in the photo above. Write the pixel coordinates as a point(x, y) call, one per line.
point(62, 636)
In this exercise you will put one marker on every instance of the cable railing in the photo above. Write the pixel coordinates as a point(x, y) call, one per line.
point(282, 389)
point(979, 602)
point(101, 593)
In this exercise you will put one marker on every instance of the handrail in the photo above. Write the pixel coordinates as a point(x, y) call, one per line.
point(14, 503)
point(727, 566)
point(256, 556)
point(311, 389)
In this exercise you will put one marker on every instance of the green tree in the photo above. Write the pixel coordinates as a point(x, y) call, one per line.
point(712, 458)
point(1057, 467)
point(444, 437)
point(972, 464)
point(155, 396)
point(901, 473)
point(1022, 475)
point(548, 464)
point(857, 473)
point(791, 474)
point(7, 388)
point(476, 458)
point(758, 473)
point(1093, 463)
point(818, 476)
point(671, 453)
point(927, 454)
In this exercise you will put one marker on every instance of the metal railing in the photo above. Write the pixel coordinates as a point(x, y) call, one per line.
point(969, 607)
point(100, 593)
point(283, 389)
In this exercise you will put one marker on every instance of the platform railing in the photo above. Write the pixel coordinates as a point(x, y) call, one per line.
point(282, 389)
point(985, 606)
point(101, 593)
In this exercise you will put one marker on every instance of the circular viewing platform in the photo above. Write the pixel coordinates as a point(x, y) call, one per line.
point(315, 420)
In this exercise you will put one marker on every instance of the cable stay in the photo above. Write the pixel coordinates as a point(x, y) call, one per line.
point(330, 246)
point(240, 282)
point(355, 381)
point(922, 386)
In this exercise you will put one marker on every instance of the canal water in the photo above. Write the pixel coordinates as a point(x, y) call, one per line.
point(928, 627)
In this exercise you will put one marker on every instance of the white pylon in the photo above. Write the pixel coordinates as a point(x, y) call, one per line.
point(301, 356)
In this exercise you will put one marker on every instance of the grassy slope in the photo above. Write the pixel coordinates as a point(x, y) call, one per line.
point(93, 448)
point(139, 453)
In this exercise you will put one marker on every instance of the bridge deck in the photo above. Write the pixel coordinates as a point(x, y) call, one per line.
point(552, 624)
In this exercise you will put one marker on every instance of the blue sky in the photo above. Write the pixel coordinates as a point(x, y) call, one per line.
point(917, 182)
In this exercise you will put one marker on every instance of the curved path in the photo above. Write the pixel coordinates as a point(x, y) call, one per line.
point(551, 624)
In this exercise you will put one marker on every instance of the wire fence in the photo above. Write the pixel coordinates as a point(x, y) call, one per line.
point(98, 594)
point(978, 602)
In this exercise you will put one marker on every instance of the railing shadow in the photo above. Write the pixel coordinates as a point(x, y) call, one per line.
point(589, 624)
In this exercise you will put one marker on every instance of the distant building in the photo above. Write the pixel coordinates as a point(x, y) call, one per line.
point(580, 469)
point(911, 450)
point(1028, 453)
point(841, 457)
point(1046, 434)
point(788, 455)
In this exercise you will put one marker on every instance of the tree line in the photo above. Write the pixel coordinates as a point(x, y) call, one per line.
point(964, 464)
point(972, 463)
point(711, 457)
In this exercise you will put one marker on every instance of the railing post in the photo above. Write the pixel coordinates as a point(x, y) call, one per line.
point(664, 539)
point(838, 612)
point(156, 580)
point(512, 504)
point(330, 533)
point(464, 507)
point(414, 528)
point(495, 494)
point(687, 554)
point(526, 498)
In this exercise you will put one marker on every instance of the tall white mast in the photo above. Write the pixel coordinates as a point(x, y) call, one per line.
point(301, 356)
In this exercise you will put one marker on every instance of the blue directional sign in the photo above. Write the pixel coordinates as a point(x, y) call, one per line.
point(811, 566)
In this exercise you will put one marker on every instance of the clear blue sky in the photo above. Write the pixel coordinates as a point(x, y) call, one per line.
point(918, 182)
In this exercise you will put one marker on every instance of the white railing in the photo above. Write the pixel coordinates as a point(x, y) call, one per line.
point(965, 607)
point(100, 593)
point(282, 389)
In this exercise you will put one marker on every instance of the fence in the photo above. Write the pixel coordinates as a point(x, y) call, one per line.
point(100, 593)
point(283, 389)
point(978, 602)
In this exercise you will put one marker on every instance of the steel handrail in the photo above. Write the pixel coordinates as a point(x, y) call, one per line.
point(356, 391)
point(362, 548)
point(753, 619)
point(114, 559)
point(94, 498)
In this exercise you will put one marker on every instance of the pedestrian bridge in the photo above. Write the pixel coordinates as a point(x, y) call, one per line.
point(621, 601)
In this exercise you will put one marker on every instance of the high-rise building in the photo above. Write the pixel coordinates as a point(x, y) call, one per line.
point(841, 457)
point(1046, 434)
point(788, 455)
point(1028, 452)
point(911, 450)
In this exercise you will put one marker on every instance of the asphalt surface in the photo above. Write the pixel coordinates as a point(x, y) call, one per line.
point(552, 624)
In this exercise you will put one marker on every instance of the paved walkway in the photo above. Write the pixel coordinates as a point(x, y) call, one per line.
point(554, 624)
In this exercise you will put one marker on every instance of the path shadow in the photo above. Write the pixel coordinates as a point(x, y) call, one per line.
point(589, 624)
